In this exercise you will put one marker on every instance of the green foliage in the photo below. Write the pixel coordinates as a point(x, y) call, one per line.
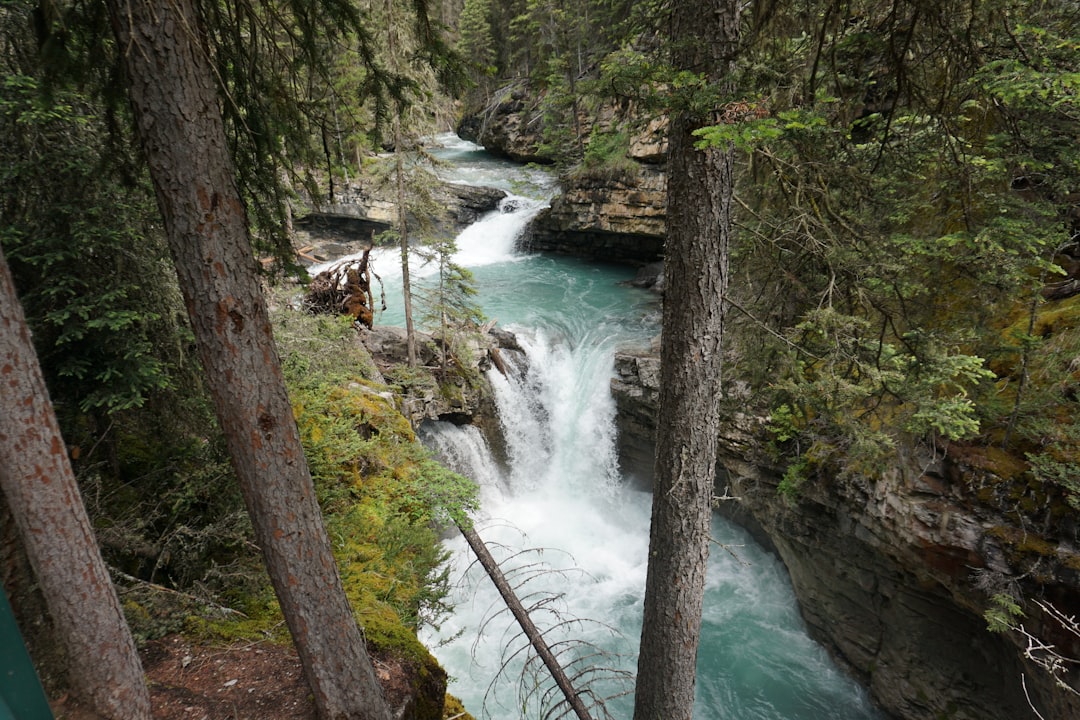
point(477, 41)
point(81, 231)
point(1002, 615)
point(793, 478)
point(844, 392)
point(312, 85)
point(448, 308)
point(559, 110)
point(1047, 467)
point(317, 348)
point(384, 498)
point(605, 157)
point(905, 190)
point(90, 266)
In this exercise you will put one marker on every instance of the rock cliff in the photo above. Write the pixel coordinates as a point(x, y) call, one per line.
point(510, 126)
point(617, 217)
point(613, 214)
point(893, 574)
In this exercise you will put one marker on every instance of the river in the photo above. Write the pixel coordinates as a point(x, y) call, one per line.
point(571, 532)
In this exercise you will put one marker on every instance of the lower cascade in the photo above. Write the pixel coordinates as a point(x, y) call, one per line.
point(572, 533)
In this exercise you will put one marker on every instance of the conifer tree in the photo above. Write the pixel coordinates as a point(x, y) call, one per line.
point(175, 104)
point(39, 487)
point(699, 219)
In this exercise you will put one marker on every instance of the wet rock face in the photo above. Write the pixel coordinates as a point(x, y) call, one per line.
point(636, 389)
point(887, 572)
point(915, 641)
point(614, 218)
point(509, 127)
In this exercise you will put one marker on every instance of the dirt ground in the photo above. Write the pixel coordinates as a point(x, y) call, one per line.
point(247, 681)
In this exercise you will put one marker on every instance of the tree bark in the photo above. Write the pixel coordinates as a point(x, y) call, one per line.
point(182, 135)
point(41, 492)
point(696, 268)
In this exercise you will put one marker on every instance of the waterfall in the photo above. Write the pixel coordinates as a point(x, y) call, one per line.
point(566, 528)
point(562, 497)
point(560, 501)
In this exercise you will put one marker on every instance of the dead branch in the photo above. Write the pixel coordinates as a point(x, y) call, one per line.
point(344, 289)
point(536, 639)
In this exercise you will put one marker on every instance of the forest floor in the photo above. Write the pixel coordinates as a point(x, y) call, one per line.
point(244, 681)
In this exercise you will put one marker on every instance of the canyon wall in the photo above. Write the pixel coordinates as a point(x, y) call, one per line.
point(893, 574)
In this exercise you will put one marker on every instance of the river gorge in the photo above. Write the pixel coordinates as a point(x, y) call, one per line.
point(856, 591)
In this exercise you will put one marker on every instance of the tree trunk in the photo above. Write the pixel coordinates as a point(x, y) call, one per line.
point(40, 489)
point(180, 128)
point(402, 214)
point(403, 231)
point(696, 269)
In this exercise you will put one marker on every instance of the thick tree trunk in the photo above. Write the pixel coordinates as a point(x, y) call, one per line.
point(696, 269)
point(40, 489)
point(179, 125)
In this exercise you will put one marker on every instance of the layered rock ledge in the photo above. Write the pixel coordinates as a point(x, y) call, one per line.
point(893, 575)
point(621, 217)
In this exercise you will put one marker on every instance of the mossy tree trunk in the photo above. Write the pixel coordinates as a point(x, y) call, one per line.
point(41, 492)
point(179, 125)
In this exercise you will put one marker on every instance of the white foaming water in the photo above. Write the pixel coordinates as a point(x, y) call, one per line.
point(561, 494)
point(491, 239)
point(467, 163)
point(558, 418)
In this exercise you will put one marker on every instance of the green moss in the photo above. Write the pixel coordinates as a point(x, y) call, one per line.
point(453, 708)
point(383, 498)
point(232, 629)
point(1037, 545)
point(995, 463)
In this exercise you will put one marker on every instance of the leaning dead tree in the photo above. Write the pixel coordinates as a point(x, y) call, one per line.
point(344, 288)
point(536, 639)
point(580, 670)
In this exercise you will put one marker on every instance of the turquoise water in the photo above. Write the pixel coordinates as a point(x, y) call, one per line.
point(523, 292)
point(573, 535)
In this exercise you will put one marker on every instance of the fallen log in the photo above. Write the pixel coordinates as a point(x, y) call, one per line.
point(535, 637)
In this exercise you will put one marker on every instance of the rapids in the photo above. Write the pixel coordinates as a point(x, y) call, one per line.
point(561, 514)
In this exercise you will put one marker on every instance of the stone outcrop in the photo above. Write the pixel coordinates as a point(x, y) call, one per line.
point(614, 217)
point(458, 396)
point(636, 389)
point(893, 575)
point(509, 127)
point(614, 214)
